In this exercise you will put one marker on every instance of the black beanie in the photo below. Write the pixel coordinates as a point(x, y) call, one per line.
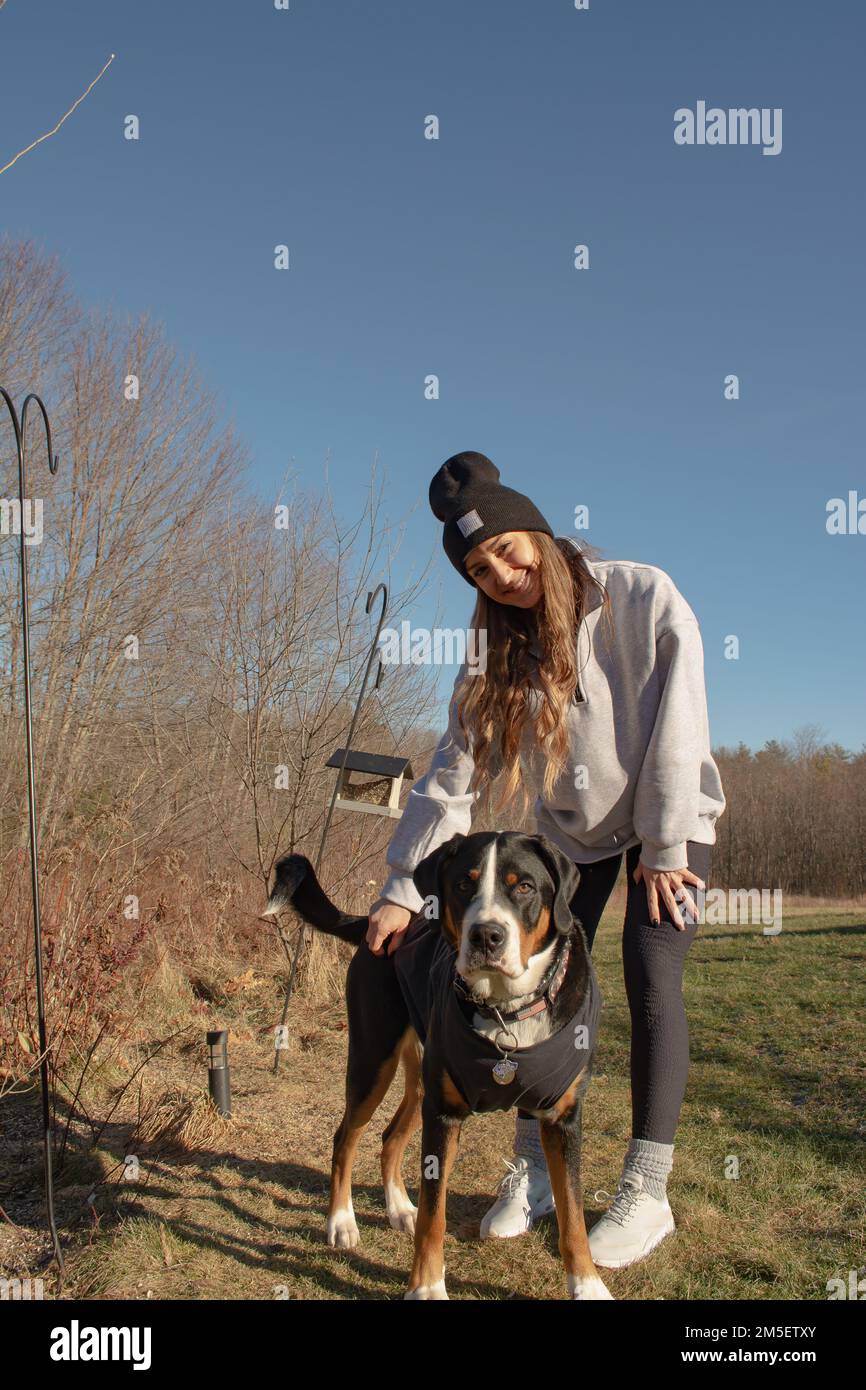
point(467, 496)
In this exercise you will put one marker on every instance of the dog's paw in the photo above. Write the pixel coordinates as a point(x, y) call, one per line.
point(593, 1288)
point(404, 1220)
point(426, 1292)
point(401, 1212)
point(343, 1231)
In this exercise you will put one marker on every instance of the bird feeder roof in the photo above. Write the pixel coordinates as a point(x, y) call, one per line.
point(375, 763)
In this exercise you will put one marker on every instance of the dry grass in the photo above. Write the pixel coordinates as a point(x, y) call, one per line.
point(236, 1209)
point(182, 1119)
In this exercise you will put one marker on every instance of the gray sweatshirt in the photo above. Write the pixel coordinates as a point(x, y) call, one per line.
point(639, 769)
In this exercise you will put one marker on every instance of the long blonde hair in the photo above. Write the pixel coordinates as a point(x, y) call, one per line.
point(493, 706)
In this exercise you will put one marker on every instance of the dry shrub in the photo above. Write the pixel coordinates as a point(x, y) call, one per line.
point(88, 949)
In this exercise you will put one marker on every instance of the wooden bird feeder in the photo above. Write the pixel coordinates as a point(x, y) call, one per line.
point(376, 788)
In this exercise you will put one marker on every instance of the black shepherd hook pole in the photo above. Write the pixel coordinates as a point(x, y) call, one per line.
point(371, 599)
point(53, 462)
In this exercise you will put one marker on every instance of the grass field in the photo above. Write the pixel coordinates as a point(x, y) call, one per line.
point(236, 1209)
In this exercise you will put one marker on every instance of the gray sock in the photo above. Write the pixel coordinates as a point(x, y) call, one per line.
point(653, 1162)
point(527, 1139)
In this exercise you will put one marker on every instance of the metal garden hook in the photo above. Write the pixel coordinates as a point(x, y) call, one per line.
point(53, 462)
point(371, 598)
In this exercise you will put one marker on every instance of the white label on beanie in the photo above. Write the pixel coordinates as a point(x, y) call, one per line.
point(469, 523)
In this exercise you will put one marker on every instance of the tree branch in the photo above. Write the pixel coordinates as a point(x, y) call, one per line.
point(49, 133)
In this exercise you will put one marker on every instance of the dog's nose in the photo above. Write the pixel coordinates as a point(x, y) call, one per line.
point(487, 936)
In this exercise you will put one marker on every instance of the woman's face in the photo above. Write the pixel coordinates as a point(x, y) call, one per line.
point(505, 568)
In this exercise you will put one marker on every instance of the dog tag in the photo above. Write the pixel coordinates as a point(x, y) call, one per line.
point(505, 1071)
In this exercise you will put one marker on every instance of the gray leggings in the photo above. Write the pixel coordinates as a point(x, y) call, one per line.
point(652, 960)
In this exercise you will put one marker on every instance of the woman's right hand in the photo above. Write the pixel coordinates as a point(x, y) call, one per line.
point(388, 922)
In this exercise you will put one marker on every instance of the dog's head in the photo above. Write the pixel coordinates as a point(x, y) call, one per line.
point(502, 901)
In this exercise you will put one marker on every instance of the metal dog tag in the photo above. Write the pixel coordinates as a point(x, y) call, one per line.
point(505, 1071)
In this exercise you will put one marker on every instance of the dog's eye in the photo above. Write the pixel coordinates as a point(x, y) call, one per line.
point(525, 887)
point(465, 885)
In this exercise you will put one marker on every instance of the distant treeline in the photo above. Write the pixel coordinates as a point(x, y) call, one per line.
point(795, 817)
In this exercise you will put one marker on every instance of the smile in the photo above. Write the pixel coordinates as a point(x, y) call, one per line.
point(522, 586)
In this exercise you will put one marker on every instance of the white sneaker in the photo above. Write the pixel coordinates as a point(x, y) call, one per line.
point(524, 1196)
point(633, 1225)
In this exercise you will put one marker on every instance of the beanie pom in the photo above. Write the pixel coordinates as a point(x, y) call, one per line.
point(458, 472)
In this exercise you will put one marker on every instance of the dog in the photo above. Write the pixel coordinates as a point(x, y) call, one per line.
point(491, 1001)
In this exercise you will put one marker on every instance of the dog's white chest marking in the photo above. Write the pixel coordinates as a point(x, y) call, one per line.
point(527, 1031)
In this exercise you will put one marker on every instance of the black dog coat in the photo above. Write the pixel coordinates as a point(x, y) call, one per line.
point(442, 1018)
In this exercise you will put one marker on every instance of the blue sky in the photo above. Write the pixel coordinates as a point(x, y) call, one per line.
point(409, 256)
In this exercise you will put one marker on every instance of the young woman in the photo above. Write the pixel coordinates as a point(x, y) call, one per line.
point(594, 684)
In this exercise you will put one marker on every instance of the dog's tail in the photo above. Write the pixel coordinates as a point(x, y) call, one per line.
point(296, 886)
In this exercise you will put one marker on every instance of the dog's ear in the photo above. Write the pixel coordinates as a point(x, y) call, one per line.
point(566, 877)
point(427, 876)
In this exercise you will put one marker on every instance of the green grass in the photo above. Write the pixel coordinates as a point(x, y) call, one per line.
point(775, 1095)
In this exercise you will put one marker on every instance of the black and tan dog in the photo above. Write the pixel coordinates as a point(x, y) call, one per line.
point(490, 1002)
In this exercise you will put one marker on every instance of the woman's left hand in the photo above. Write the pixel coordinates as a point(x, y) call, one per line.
point(668, 882)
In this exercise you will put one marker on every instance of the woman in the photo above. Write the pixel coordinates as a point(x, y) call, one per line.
point(593, 679)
